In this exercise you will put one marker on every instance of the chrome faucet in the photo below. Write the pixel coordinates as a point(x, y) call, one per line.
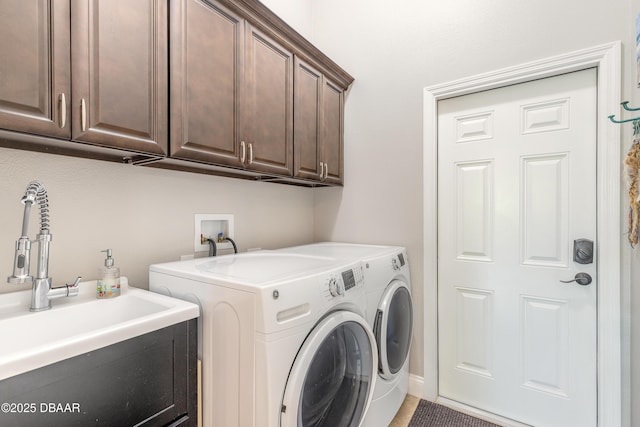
point(42, 292)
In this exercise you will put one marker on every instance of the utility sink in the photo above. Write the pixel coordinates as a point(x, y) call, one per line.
point(77, 325)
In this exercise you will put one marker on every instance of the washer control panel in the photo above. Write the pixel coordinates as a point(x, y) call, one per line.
point(336, 287)
point(339, 283)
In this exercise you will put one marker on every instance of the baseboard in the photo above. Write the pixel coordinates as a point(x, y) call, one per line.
point(416, 386)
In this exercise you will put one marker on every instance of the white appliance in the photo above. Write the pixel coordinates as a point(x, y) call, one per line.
point(389, 313)
point(283, 337)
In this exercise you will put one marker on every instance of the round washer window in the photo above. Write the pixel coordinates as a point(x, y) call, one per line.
point(337, 385)
point(333, 376)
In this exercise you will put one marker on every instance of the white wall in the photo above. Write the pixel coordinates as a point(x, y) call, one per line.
point(145, 215)
point(296, 13)
point(394, 50)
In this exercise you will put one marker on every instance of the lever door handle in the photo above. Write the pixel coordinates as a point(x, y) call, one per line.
point(583, 279)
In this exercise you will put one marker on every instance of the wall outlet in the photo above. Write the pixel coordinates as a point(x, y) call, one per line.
point(209, 226)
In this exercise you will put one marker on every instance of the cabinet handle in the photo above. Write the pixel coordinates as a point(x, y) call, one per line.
point(321, 169)
point(326, 170)
point(83, 115)
point(63, 110)
point(250, 153)
point(242, 152)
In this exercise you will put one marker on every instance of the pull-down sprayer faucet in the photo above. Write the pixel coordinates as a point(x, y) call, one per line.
point(42, 293)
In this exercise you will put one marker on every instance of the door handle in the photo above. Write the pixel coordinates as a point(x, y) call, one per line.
point(63, 110)
point(83, 115)
point(583, 279)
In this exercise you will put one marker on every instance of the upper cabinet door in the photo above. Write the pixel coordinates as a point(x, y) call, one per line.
point(307, 119)
point(35, 95)
point(333, 132)
point(269, 104)
point(206, 82)
point(119, 52)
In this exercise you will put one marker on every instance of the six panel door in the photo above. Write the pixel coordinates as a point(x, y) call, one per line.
point(516, 187)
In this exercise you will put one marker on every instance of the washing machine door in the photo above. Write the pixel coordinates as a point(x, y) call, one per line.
point(332, 378)
point(393, 328)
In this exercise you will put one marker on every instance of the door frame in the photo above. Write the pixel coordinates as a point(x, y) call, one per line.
point(607, 60)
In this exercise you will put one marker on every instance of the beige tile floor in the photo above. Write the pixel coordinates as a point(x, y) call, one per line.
point(405, 412)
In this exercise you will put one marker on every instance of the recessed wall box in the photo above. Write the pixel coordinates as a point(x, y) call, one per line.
point(209, 226)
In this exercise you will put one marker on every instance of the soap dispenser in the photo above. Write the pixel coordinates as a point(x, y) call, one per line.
point(109, 281)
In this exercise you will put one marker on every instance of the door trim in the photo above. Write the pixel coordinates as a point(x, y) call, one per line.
point(607, 60)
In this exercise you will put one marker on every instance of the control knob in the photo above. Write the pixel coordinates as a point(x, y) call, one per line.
point(335, 287)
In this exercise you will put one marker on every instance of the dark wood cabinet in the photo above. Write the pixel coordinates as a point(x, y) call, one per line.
point(150, 380)
point(319, 126)
point(35, 70)
point(307, 122)
point(241, 97)
point(231, 90)
point(87, 71)
point(206, 49)
point(210, 86)
point(268, 104)
point(119, 74)
point(332, 131)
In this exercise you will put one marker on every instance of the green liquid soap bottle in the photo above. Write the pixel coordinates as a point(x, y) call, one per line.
point(109, 281)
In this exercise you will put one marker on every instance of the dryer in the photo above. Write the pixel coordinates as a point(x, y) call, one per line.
point(284, 339)
point(389, 313)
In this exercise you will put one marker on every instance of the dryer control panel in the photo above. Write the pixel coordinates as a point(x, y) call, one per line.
point(341, 282)
point(397, 262)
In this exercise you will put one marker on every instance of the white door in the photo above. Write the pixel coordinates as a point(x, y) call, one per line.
point(516, 187)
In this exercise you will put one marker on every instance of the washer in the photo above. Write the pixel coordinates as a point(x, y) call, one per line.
point(283, 337)
point(389, 313)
